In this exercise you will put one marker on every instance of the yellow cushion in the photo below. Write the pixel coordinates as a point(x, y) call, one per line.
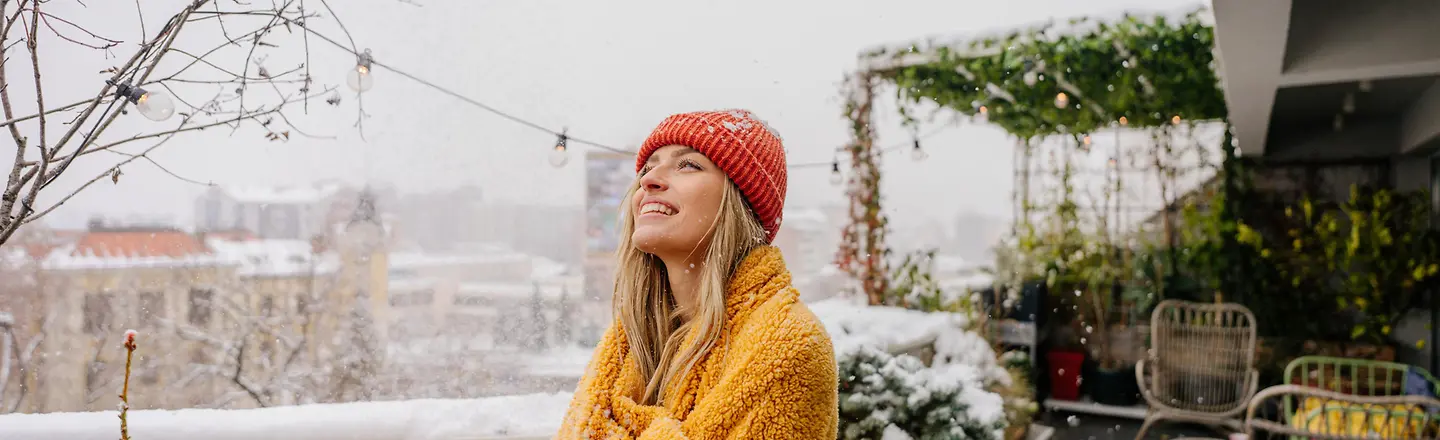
point(1361, 420)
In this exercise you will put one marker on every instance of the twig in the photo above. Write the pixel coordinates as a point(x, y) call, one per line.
point(125, 389)
point(141, 13)
point(109, 43)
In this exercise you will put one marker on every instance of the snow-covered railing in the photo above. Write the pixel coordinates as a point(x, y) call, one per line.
point(523, 417)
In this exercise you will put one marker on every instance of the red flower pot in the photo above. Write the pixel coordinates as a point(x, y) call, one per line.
point(1065, 374)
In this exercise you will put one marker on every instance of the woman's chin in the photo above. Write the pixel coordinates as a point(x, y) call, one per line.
point(655, 241)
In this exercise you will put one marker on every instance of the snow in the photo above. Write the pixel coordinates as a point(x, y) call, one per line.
point(852, 324)
point(61, 259)
point(274, 257)
point(415, 260)
point(962, 359)
point(522, 415)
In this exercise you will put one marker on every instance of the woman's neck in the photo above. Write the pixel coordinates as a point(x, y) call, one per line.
point(684, 277)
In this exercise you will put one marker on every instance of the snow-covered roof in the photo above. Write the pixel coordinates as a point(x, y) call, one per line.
point(412, 260)
point(275, 257)
point(521, 415)
point(123, 249)
point(544, 268)
point(512, 290)
point(278, 195)
point(412, 284)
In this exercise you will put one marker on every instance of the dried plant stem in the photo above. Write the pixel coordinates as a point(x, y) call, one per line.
point(125, 389)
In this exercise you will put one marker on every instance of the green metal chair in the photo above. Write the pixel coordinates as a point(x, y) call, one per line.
point(1338, 398)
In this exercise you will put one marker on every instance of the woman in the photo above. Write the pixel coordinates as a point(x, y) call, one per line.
point(710, 339)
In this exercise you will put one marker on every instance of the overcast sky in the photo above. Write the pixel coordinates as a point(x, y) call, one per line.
point(608, 70)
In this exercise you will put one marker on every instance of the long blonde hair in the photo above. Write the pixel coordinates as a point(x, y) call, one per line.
point(646, 310)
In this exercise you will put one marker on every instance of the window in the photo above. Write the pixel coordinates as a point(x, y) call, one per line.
point(417, 298)
point(200, 306)
point(152, 307)
point(96, 309)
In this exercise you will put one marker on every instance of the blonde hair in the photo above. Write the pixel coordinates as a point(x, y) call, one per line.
point(646, 310)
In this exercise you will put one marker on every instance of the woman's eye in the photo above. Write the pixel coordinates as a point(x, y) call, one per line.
point(689, 164)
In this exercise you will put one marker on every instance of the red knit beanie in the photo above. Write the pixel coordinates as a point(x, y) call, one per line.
point(743, 146)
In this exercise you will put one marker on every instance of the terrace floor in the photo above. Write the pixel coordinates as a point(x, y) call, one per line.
point(1093, 427)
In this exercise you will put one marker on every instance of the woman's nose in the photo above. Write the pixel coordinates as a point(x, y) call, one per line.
point(653, 181)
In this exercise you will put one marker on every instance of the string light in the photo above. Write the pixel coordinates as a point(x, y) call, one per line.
point(917, 153)
point(1124, 121)
point(558, 155)
point(1087, 140)
point(1062, 101)
point(1348, 106)
point(1175, 120)
point(836, 178)
point(1031, 78)
point(983, 114)
point(154, 106)
point(359, 79)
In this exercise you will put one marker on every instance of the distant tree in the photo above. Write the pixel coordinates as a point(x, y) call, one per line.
point(566, 313)
point(538, 325)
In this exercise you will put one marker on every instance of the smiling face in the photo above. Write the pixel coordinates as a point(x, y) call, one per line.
point(676, 203)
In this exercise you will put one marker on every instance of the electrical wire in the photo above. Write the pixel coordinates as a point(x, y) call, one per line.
point(533, 125)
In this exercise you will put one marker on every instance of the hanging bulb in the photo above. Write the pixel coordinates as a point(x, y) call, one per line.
point(1086, 140)
point(1031, 78)
point(1339, 122)
point(1062, 101)
point(359, 79)
point(1348, 106)
point(917, 153)
point(983, 114)
point(1175, 120)
point(835, 177)
point(1365, 85)
point(559, 156)
point(1124, 121)
point(154, 106)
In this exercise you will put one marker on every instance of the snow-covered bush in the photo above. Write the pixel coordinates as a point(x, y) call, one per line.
point(878, 391)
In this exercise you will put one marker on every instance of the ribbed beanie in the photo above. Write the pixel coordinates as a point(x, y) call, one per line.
point(743, 146)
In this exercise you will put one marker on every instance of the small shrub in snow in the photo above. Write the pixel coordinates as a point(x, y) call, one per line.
point(880, 391)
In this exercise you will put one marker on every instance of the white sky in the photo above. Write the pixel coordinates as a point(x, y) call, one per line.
point(609, 70)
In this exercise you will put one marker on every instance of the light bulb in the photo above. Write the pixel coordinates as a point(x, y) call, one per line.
point(359, 79)
point(558, 155)
point(1124, 121)
point(1087, 139)
point(1175, 120)
point(1339, 122)
point(1031, 78)
point(835, 177)
point(155, 106)
point(1062, 101)
point(917, 153)
point(1349, 104)
point(983, 115)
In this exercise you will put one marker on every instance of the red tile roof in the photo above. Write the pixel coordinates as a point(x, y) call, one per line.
point(139, 244)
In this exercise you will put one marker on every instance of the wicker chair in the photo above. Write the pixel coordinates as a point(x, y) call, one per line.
point(1201, 366)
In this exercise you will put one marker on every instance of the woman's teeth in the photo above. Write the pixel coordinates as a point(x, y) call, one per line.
point(656, 208)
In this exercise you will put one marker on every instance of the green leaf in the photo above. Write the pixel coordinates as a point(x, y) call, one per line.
point(1357, 332)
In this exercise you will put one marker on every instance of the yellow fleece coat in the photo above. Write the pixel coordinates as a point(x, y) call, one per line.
point(770, 376)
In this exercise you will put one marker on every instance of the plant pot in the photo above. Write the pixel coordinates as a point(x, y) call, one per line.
point(1065, 367)
point(1114, 386)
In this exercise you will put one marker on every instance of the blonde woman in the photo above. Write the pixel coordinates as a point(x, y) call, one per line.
point(710, 340)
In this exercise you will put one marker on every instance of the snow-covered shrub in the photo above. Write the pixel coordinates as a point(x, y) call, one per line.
point(880, 391)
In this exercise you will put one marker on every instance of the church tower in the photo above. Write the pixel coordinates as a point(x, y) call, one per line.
point(364, 252)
